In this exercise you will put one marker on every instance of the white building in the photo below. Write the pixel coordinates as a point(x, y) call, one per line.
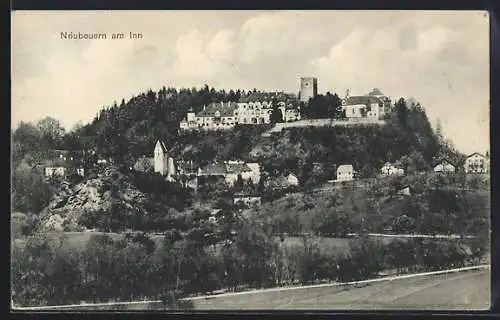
point(163, 163)
point(247, 200)
point(444, 166)
point(476, 163)
point(223, 116)
point(289, 112)
point(369, 106)
point(389, 169)
point(345, 172)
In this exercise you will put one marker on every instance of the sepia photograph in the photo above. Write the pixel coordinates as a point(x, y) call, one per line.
point(250, 160)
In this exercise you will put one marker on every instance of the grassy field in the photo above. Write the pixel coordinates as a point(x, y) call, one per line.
point(458, 291)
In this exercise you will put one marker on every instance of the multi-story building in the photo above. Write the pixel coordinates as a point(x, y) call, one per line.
point(62, 163)
point(476, 163)
point(368, 106)
point(226, 115)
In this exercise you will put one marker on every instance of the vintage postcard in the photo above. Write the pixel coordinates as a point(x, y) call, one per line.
point(250, 160)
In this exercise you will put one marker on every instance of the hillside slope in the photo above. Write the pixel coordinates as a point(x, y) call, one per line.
point(91, 195)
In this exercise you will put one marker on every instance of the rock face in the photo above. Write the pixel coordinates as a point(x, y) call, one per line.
point(90, 195)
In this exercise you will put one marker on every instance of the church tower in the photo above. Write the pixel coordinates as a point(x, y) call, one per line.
point(161, 158)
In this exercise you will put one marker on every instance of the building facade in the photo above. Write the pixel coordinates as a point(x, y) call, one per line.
point(445, 166)
point(476, 163)
point(368, 106)
point(345, 172)
point(389, 169)
point(308, 88)
point(232, 171)
point(226, 115)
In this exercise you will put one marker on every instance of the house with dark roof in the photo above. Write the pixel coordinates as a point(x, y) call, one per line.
point(232, 171)
point(215, 116)
point(254, 108)
point(62, 166)
point(476, 163)
point(282, 182)
point(444, 166)
point(404, 191)
point(367, 106)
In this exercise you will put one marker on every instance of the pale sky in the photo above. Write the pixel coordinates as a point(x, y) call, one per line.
point(440, 58)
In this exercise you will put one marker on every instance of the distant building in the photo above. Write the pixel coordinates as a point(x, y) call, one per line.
point(164, 164)
point(476, 163)
point(444, 166)
point(247, 200)
point(345, 172)
point(389, 169)
point(308, 88)
point(63, 163)
point(368, 106)
point(225, 116)
point(232, 170)
point(404, 191)
point(289, 112)
point(283, 182)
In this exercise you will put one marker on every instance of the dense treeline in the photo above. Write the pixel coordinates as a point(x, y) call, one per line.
point(129, 130)
point(406, 140)
point(50, 271)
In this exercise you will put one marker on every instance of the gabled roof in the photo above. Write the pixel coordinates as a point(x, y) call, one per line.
point(56, 163)
point(345, 167)
point(476, 153)
point(443, 161)
point(237, 168)
point(215, 169)
point(226, 109)
point(366, 100)
point(162, 145)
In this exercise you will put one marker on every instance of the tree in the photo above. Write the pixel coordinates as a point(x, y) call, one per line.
point(51, 132)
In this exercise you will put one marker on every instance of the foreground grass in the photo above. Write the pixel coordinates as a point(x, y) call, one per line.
point(458, 291)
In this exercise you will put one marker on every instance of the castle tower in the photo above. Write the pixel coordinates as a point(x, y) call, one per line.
point(308, 88)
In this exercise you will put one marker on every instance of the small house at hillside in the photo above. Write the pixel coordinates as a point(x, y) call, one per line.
point(404, 191)
point(283, 182)
point(389, 169)
point(62, 165)
point(476, 163)
point(345, 172)
point(246, 199)
point(232, 171)
point(444, 166)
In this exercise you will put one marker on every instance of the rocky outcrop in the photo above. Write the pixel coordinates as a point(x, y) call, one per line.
point(71, 201)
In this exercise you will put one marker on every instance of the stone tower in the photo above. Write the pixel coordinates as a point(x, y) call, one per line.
point(308, 88)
